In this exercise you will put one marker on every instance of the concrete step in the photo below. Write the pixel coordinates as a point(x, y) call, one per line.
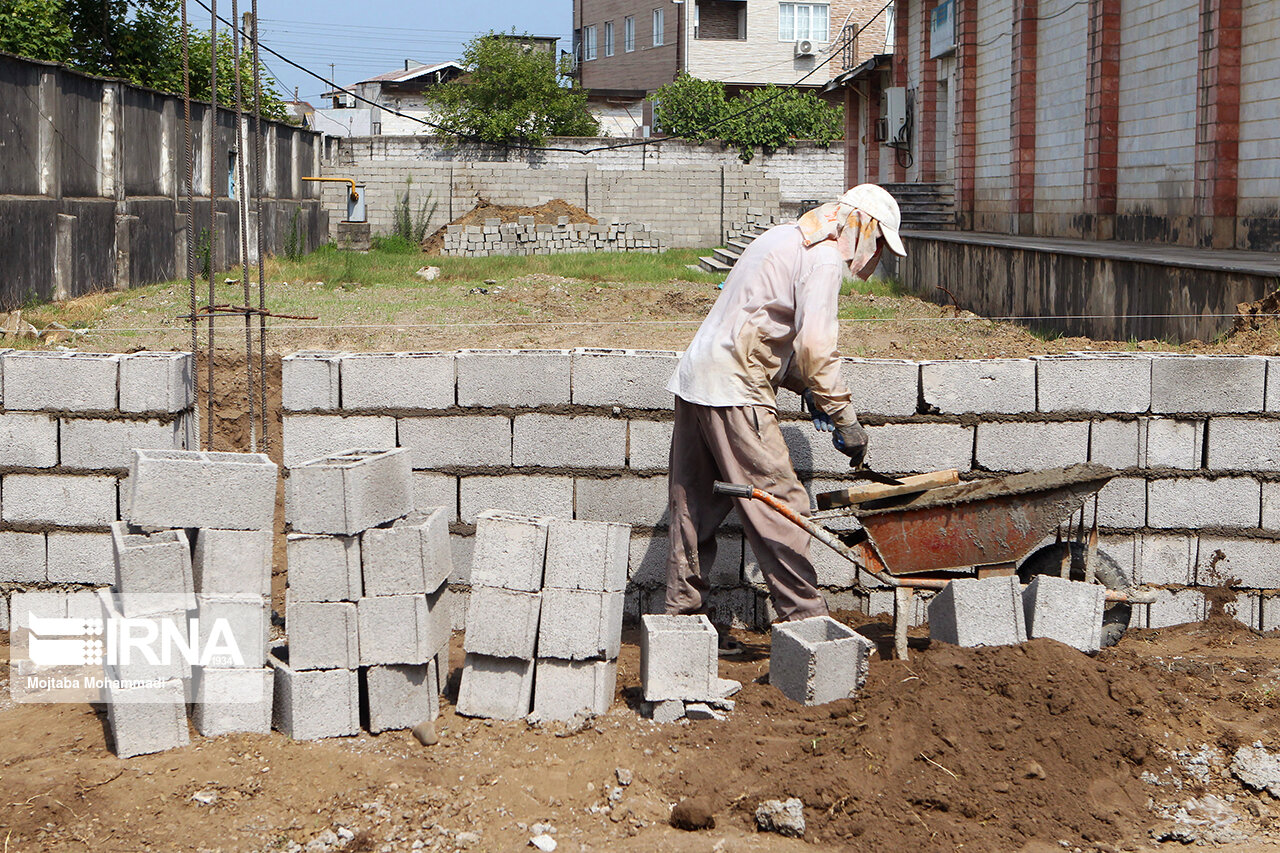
point(739, 245)
point(713, 265)
point(726, 256)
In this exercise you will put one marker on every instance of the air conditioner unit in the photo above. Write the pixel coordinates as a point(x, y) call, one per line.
point(804, 47)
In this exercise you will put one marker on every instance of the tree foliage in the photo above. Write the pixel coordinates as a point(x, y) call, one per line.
point(768, 117)
point(511, 93)
point(136, 40)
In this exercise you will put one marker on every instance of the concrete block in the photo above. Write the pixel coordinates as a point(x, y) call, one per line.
point(310, 381)
point(1093, 383)
point(1170, 442)
point(1123, 503)
point(1116, 443)
point(28, 440)
point(463, 549)
point(98, 444)
point(1208, 383)
point(64, 500)
point(649, 444)
point(396, 629)
point(231, 701)
point(833, 570)
point(312, 436)
point(1273, 384)
point(78, 557)
point(647, 561)
point(1270, 612)
point(817, 660)
point(634, 379)
point(1166, 558)
point(579, 625)
point(811, 451)
point(1174, 607)
point(400, 696)
point(147, 719)
point(1271, 506)
point(462, 441)
point(497, 688)
point(155, 564)
point(324, 568)
point(515, 378)
point(565, 688)
point(1241, 444)
point(1198, 502)
point(322, 635)
point(569, 441)
point(983, 386)
point(1246, 609)
point(398, 380)
point(1031, 446)
point(668, 711)
point(503, 623)
point(36, 381)
point(919, 448)
point(349, 492)
point(232, 561)
point(527, 494)
point(241, 619)
point(157, 382)
point(1238, 562)
point(22, 557)
point(882, 386)
point(510, 551)
point(436, 490)
point(678, 658)
point(880, 601)
point(590, 555)
point(189, 488)
point(1065, 610)
point(150, 653)
point(410, 556)
point(640, 501)
point(315, 703)
point(978, 612)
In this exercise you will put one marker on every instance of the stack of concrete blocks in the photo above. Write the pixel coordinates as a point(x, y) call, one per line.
point(818, 660)
point(224, 505)
point(525, 237)
point(69, 423)
point(1065, 610)
point(979, 612)
point(679, 669)
point(368, 610)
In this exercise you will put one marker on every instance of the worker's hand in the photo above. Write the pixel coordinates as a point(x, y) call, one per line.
point(821, 420)
point(851, 440)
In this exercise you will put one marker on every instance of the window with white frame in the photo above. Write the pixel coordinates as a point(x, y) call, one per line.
point(629, 33)
point(810, 21)
point(608, 38)
point(659, 24)
point(588, 43)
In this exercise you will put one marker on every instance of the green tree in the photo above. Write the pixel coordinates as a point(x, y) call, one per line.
point(511, 93)
point(768, 117)
point(35, 28)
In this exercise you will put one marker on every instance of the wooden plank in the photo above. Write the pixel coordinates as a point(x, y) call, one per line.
point(864, 492)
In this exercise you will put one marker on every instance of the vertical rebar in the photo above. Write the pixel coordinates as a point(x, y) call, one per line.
point(242, 213)
point(213, 201)
point(189, 151)
point(257, 192)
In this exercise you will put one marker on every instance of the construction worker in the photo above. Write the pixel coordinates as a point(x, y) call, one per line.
point(774, 325)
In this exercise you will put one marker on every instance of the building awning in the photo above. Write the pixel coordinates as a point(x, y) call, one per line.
point(879, 62)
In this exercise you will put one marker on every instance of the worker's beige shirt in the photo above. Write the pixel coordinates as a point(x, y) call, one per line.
point(773, 325)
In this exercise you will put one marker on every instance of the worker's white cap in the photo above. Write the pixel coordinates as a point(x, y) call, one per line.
point(875, 201)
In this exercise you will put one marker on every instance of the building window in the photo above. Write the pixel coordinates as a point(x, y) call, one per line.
point(588, 43)
point(608, 38)
point(629, 33)
point(810, 21)
point(659, 24)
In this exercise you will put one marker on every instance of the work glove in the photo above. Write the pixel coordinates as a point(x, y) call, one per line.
point(821, 420)
point(851, 440)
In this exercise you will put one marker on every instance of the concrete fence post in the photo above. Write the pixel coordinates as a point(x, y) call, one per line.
point(50, 151)
point(63, 270)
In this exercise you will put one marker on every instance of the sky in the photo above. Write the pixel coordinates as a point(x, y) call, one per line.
point(367, 37)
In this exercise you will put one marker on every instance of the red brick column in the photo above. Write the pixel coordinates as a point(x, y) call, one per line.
point(1102, 116)
point(901, 28)
point(875, 109)
point(1022, 114)
point(852, 134)
point(966, 96)
point(927, 102)
point(1218, 122)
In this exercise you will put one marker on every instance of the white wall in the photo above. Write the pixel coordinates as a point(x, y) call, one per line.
point(1060, 106)
point(759, 58)
point(992, 191)
point(1259, 188)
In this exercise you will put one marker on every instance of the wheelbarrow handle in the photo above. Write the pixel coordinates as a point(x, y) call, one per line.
point(733, 490)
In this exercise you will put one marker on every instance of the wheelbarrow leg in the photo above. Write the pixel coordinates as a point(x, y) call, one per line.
point(901, 619)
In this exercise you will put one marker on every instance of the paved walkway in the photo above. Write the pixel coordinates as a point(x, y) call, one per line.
point(1218, 260)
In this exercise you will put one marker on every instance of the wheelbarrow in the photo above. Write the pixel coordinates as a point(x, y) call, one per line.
point(985, 527)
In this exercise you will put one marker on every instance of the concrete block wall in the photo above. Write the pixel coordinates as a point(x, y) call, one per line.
point(68, 424)
point(1196, 442)
point(526, 238)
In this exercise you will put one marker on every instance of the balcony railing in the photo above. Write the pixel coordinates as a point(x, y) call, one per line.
point(849, 47)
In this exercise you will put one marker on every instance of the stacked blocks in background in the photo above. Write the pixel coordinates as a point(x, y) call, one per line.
point(368, 609)
point(979, 612)
point(817, 660)
point(679, 666)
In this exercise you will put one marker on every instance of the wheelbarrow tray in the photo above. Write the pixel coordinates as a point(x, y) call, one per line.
point(979, 523)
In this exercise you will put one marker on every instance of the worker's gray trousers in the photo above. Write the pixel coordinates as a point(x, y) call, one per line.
point(737, 444)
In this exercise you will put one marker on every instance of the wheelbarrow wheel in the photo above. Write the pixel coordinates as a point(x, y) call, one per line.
point(1048, 561)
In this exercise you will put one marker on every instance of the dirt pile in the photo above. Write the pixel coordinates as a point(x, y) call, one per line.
point(544, 214)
